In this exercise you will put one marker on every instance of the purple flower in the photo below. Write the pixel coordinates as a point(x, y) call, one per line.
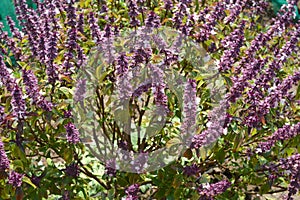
point(144, 87)
point(67, 114)
point(13, 29)
point(168, 5)
point(278, 26)
point(141, 55)
point(232, 44)
point(261, 106)
point(4, 162)
point(81, 57)
point(95, 30)
point(80, 90)
point(110, 167)
point(133, 13)
point(202, 14)
point(170, 57)
point(5, 77)
point(211, 20)
point(122, 64)
point(108, 31)
point(31, 84)
point(199, 140)
point(18, 103)
point(288, 48)
point(208, 191)
point(80, 23)
point(132, 192)
point(139, 164)
point(33, 91)
point(71, 43)
point(191, 170)
point(45, 105)
point(153, 20)
point(124, 87)
point(291, 167)
point(51, 47)
point(179, 14)
point(189, 108)
point(51, 72)
point(235, 10)
point(241, 82)
point(36, 180)
point(158, 86)
point(2, 114)
point(71, 15)
point(11, 43)
point(284, 133)
point(66, 195)
point(287, 12)
point(216, 126)
point(72, 133)
point(15, 179)
point(72, 170)
point(41, 46)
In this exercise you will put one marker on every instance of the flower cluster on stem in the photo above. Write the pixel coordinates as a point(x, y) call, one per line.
point(209, 191)
point(284, 133)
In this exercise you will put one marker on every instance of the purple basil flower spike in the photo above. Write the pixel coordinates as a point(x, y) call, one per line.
point(191, 170)
point(72, 170)
point(80, 90)
point(15, 179)
point(33, 91)
point(5, 77)
point(132, 192)
point(80, 24)
point(168, 5)
point(2, 114)
point(284, 133)
point(110, 167)
point(13, 29)
point(290, 167)
point(189, 108)
point(122, 64)
point(232, 45)
point(153, 20)
point(209, 191)
point(18, 103)
point(158, 86)
point(72, 133)
point(95, 29)
point(67, 114)
point(133, 13)
point(4, 162)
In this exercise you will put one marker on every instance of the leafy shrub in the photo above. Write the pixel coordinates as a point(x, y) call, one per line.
point(247, 146)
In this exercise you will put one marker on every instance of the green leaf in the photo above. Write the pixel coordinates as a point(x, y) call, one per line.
point(203, 153)
point(122, 182)
point(67, 91)
point(265, 188)
point(27, 180)
point(18, 164)
point(220, 155)
point(144, 188)
point(298, 92)
point(68, 155)
point(205, 178)
point(172, 142)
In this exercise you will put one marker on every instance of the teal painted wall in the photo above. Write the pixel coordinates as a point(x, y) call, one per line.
point(276, 4)
point(7, 9)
